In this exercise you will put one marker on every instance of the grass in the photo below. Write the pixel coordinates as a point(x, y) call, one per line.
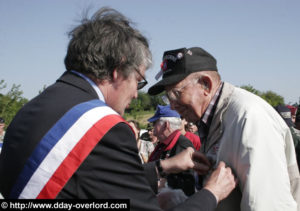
point(141, 117)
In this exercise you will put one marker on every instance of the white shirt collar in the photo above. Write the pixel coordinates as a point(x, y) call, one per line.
point(92, 83)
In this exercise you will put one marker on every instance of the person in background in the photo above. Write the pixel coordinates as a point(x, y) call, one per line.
point(2, 129)
point(293, 110)
point(190, 135)
point(148, 136)
point(71, 141)
point(153, 138)
point(235, 126)
point(2, 132)
point(145, 147)
point(191, 127)
point(167, 128)
point(297, 122)
point(286, 114)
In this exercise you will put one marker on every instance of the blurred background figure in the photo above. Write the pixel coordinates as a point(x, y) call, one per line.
point(297, 123)
point(190, 135)
point(2, 131)
point(293, 110)
point(191, 127)
point(145, 147)
point(286, 113)
point(149, 135)
point(167, 128)
point(153, 138)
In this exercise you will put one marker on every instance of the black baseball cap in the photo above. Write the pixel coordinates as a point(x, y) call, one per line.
point(178, 64)
point(2, 120)
point(285, 113)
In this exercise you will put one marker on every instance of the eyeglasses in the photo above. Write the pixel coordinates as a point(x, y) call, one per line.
point(143, 83)
point(175, 94)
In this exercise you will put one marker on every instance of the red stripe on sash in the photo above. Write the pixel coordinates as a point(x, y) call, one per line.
point(78, 154)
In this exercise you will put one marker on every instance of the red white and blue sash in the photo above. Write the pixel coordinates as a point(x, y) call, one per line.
point(64, 147)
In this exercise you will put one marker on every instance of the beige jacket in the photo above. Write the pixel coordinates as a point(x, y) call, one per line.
point(250, 136)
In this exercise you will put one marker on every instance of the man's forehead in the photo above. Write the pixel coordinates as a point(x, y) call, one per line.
point(178, 84)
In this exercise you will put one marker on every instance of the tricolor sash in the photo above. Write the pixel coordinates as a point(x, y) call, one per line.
point(62, 150)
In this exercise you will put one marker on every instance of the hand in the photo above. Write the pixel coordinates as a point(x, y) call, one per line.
point(201, 164)
point(185, 160)
point(221, 182)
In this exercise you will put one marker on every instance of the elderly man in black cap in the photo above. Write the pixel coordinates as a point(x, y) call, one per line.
point(235, 126)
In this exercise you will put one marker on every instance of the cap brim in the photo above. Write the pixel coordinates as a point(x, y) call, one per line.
point(153, 119)
point(160, 86)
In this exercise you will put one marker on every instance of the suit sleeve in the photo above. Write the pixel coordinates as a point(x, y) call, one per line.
point(203, 200)
point(114, 171)
point(151, 175)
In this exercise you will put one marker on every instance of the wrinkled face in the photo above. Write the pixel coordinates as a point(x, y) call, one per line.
point(152, 136)
point(125, 89)
point(160, 130)
point(189, 98)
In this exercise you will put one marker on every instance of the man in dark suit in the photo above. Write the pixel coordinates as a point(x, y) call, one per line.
point(71, 141)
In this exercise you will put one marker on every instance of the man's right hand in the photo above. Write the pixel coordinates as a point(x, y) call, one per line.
point(221, 182)
point(187, 159)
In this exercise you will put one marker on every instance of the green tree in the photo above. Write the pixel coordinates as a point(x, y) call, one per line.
point(271, 97)
point(11, 102)
point(251, 89)
point(145, 101)
point(157, 100)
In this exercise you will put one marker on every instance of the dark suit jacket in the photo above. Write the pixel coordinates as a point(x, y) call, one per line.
point(113, 168)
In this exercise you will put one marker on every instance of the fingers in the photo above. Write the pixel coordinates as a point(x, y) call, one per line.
point(190, 150)
point(221, 164)
point(221, 181)
point(201, 168)
point(201, 158)
point(201, 163)
point(180, 162)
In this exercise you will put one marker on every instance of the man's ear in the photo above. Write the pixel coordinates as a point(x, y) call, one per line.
point(207, 84)
point(115, 75)
point(167, 125)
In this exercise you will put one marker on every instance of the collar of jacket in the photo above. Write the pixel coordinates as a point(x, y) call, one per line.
point(78, 82)
point(216, 129)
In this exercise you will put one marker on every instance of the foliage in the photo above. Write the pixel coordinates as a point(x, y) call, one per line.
point(271, 97)
point(143, 107)
point(144, 102)
point(11, 102)
point(251, 89)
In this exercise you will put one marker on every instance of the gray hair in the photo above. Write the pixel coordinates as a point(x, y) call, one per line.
point(175, 122)
point(107, 42)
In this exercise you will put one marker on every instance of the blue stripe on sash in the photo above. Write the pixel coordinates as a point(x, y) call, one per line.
point(49, 141)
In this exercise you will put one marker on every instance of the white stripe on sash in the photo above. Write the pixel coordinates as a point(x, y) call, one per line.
point(61, 150)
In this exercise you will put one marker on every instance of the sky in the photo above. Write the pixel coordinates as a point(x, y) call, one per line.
point(255, 42)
